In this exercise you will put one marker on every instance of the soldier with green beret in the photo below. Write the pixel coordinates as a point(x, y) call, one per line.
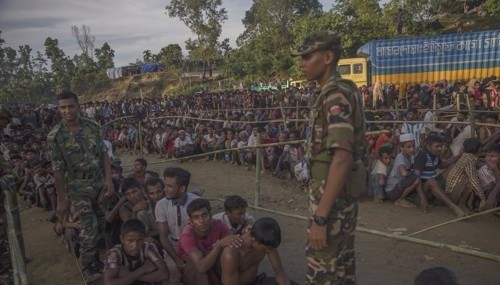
point(81, 169)
point(335, 149)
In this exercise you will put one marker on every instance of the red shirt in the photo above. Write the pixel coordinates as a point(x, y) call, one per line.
point(382, 139)
point(189, 240)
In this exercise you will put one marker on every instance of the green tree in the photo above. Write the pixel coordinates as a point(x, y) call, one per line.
point(61, 66)
point(147, 56)
point(104, 56)
point(171, 56)
point(204, 18)
point(264, 46)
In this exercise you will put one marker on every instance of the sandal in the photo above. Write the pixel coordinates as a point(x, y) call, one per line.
point(405, 203)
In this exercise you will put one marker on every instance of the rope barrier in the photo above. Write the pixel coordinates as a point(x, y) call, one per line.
point(466, 251)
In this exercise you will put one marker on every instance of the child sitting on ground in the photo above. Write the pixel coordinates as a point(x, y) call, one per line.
point(463, 178)
point(489, 176)
point(378, 177)
point(402, 181)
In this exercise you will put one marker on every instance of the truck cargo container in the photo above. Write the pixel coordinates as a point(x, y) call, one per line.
point(431, 58)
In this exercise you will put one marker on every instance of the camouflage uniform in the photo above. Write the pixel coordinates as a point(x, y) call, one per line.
point(80, 156)
point(6, 174)
point(337, 121)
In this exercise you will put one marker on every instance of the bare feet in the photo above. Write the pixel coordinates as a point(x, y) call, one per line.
point(378, 200)
point(458, 212)
point(405, 203)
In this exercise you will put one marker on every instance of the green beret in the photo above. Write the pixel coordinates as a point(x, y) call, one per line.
point(322, 40)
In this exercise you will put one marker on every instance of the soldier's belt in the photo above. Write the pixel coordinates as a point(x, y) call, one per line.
point(86, 175)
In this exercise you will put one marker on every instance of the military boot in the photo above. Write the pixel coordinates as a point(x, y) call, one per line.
point(89, 274)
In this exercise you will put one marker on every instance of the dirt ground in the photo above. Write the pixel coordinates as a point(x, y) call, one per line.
point(379, 260)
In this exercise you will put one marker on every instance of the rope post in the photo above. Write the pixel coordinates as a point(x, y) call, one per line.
point(140, 139)
point(258, 151)
point(472, 118)
point(434, 113)
point(297, 114)
point(12, 207)
point(283, 116)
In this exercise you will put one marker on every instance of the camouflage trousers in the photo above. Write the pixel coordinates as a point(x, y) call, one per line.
point(92, 226)
point(335, 264)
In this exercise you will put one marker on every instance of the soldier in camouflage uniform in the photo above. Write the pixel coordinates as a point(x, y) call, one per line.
point(7, 175)
point(334, 148)
point(81, 168)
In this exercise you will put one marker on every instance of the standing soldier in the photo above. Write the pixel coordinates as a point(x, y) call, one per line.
point(8, 179)
point(335, 151)
point(79, 160)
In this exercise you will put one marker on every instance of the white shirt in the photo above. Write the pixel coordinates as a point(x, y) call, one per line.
point(166, 211)
point(224, 218)
point(181, 143)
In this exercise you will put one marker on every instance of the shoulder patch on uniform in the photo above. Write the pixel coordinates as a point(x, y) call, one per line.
point(335, 110)
point(338, 113)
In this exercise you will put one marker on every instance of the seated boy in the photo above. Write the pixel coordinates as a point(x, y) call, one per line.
point(402, 181)
point(134, 261)
point(201, 244)
point(427, 161)
point(235, 216)
point(463, 176)
point(378, 176)
point(241, 265)
point(136, 202)
point(489, 176)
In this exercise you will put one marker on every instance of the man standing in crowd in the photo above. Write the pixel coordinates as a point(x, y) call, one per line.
point(335, 149)
point(79, 161)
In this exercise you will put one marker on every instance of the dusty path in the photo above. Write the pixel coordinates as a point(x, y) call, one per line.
point(379, 260)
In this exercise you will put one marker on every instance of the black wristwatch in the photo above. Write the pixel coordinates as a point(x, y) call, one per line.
point(320, 221)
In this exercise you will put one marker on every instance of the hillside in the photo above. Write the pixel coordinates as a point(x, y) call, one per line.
point(142, 85)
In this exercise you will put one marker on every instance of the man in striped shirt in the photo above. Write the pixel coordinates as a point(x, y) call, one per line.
point(431, 185)
point(416, 129)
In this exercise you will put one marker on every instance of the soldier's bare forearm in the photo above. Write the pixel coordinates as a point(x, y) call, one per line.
point(59, 184)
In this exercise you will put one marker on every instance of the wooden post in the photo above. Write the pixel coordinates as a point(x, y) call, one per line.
point(472, 118)
point(257, 171)
point(297, 115)
point(140, 139)
point(283, 116)
point(434, 112)
point(12, 206)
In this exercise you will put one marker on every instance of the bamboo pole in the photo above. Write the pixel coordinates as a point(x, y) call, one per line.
point(12, 207)
point(434, 106)
point(455, 220)
point(297, 114)
point(283, 116)
point(14, 234)
point(471, 252)
point(258, 153)
point(472, 118)
point(140, 140)
point(466, 251)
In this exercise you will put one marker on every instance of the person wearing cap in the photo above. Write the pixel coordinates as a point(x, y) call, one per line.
point(183, 145)
point(7, 175)
point(401, 181)
point(335, 151)
point(81, 168)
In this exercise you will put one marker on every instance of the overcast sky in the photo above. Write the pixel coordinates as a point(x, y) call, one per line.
point(129, 26)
